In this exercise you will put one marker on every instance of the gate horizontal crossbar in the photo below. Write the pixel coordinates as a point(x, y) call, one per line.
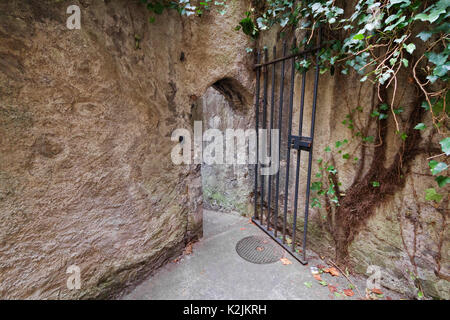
point(301, 53)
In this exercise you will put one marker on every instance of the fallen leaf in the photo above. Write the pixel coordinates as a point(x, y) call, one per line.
point(317, 277)
point(377, 291)
point(348, 292)
point(285, 261)
point(319, 266)
point(308, 284)
point(333, 271)
point(242, 228)
point(324, 283)
point(332, 288)
point(388, 298)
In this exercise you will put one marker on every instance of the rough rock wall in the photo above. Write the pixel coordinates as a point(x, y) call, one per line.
point(85, 124)
point(404, 235)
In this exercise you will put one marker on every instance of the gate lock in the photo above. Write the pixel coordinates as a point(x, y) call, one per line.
point(300, 143)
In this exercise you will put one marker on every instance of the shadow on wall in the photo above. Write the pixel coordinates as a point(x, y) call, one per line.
point(226, 187)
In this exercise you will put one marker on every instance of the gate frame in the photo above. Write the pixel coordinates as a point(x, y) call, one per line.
point(299, 143)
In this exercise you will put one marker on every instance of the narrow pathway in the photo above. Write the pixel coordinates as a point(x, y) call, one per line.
point(215, 271)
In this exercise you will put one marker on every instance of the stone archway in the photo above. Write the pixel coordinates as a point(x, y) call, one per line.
point(226, 104)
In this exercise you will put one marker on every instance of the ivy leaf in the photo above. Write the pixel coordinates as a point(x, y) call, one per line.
point(346, 156)
point(437, 167)
point(404, 3)
point(436, 58)
point(442, 180)
point(445, 144)
point(432, 195)
point(358, 37)
point(420, 126)
point(398, 111)
point(403, 136)
point(384, 107)
point(410, 47)
point(375, 184)
point(424, 35)
point(391, 18)
point(331, 169)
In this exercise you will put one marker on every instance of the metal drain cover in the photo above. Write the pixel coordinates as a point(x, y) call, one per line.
point(259, 249)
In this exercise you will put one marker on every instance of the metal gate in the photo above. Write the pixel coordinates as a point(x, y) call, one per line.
point(270, 218)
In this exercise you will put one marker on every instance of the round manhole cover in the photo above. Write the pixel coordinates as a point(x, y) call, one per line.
point(259, 249)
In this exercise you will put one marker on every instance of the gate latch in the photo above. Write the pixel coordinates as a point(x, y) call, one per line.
point(300, 143)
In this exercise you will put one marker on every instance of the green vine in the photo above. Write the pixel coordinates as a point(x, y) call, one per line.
point(377, 39)
point(184, 7)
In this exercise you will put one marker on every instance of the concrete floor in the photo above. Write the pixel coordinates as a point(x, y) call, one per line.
point(215, 271)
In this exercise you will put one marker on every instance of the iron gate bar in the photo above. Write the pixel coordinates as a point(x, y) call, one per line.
point(258, 78)
point(263, 178)
point(313, 121)
point(280, 122)
point(297, 170)
point(293, 55)
point(272, 107)
point(298, 143)
point(288, 155)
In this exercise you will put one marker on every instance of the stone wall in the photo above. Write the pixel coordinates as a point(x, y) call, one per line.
point(86, 118)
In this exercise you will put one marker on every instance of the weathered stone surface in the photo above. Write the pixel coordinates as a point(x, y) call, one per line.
point(85, 170)
point(85, 125)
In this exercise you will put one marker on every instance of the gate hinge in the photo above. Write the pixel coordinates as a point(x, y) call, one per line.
point(300, 143)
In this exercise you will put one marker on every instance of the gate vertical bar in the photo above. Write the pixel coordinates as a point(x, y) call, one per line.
point(288, 156)
point(264, 125)
point(272, 107)
point(258, 78)
point(297, 171)
point(280, 123)
point(308, 180)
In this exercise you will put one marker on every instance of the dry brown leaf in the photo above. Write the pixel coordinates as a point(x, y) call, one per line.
point(348, 292)
point(377, 291)
point(242, 228)
point(332, 289)
point(317, 277)
point(285, 261)
point(320, 266)
point(333, 271)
